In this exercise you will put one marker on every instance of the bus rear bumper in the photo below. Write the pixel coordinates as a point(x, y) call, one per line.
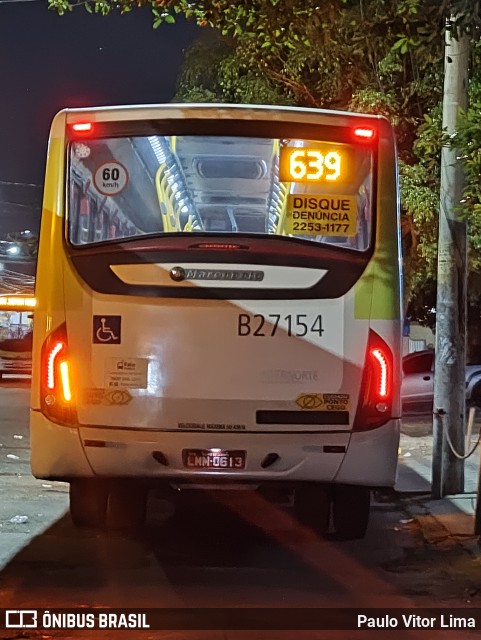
point(56, 451)
point(61, 453)
point(372, 457)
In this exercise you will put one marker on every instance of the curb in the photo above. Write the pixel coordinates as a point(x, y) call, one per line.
point(445, 523)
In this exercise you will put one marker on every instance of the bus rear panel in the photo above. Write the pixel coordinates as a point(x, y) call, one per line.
point(218, 299)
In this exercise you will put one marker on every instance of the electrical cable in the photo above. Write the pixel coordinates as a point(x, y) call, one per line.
point(450, 443)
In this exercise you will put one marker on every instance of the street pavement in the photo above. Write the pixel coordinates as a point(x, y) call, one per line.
point(425, 549)
point(28, 505)
point(453, 515)
point(418, 551)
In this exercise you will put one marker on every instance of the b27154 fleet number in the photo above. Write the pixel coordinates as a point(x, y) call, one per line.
point(297, 325)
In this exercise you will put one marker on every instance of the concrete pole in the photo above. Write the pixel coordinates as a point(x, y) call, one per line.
point(449, 378)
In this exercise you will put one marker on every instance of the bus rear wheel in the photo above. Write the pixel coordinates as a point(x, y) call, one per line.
point(313, 506)
point(350, 511)
point(88, 502)
point(127, 505)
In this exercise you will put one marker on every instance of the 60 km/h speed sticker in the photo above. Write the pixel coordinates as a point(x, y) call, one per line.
point(111, 178)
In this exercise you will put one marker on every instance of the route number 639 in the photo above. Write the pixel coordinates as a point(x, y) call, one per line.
point(311, 164)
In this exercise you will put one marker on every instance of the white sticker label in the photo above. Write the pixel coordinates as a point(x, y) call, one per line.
point(111, 178)
point(126, 373)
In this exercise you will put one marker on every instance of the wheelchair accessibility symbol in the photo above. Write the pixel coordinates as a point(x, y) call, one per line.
point(106, 330)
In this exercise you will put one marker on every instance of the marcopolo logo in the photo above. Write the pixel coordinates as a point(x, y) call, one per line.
point(178, 274)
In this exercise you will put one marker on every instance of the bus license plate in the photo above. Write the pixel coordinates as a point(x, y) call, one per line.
point(210, 459)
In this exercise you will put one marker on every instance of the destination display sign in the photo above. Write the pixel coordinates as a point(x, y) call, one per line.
point(319, 164)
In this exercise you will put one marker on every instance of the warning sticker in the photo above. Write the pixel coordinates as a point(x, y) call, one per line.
point(111, 178)
point(323, 401)
point(325, 215)
point(210, 426)
point(127, 373)
point(102, 396)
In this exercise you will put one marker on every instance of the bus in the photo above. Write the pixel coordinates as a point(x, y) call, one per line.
point(218, 308)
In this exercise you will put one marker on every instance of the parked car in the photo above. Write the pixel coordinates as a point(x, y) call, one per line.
point(417, 390)
point(16, 355)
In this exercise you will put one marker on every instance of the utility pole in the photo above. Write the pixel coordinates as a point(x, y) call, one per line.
point(449, 378)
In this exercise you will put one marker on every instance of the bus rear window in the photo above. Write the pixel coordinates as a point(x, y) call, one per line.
point(311, 190)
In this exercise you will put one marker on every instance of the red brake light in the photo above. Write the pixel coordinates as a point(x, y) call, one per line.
point(82, 127)
point(365, 133)
point(382, 373)
point(375, 399)
point(56, 384)
point(53, 353)
point(217, 245)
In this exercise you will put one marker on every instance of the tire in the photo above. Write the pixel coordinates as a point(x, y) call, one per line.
point(351, 505)
point(127, 505)
point(313, 506)
point(88, 502)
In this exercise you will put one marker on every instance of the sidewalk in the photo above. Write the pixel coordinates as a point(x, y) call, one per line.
point(450, 519)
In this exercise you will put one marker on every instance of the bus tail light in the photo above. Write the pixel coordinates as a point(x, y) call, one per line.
point(364, 133)
point(56, 378)
point(375, 399)
point(217, 245)
point(85, 128)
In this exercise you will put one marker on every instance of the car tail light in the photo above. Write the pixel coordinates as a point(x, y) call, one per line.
point(375, 399)
point(57, 399)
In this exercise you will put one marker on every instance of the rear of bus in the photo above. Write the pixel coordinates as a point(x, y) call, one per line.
point(218, 306)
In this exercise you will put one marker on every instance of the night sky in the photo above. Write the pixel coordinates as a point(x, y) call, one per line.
point(48, 62)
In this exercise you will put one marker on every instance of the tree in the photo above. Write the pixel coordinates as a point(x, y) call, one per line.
point(213, 72)
point(380, 56)
point(400, 77)
point(262, 18)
